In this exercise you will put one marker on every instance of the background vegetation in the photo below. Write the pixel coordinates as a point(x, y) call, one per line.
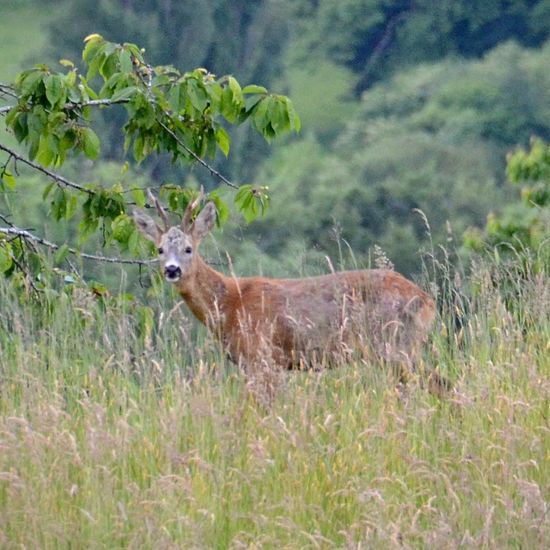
point(424, 143)
point(404, 106)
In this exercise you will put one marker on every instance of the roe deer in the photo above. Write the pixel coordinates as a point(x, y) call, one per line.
point(294, 322)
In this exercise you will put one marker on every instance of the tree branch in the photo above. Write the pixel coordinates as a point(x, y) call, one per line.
point(7, 90)
point(56, 177)
point(71, 106)
point(52, 246)
point(106, 102)
point(213, 171)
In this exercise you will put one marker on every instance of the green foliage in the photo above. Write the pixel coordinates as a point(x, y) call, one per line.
point(252, 200)
point(432, 139)
point(323, 95)
point(243, 38)
point(24, 34)
point(166, 112)
point(376, 37)
point(6, 257)
point(525, 223)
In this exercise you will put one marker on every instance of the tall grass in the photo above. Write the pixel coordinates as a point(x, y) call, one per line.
point(122, 427)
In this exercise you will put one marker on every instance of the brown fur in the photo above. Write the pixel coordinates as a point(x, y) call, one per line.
point(297, 322)
point(294, 317)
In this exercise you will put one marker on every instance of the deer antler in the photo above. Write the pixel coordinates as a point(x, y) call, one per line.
point(160, 210)
point(186, 221)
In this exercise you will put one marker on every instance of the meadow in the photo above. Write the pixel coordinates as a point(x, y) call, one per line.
point(123, 426)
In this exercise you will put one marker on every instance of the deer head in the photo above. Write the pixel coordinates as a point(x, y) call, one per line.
point(177, 245)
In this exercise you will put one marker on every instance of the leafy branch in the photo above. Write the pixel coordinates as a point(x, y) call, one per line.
point(25, 234)
point(56, 177)
point(212, 170)
point(183, 114)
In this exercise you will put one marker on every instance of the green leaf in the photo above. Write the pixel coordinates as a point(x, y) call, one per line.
point(44, 154)
point(13, 115)
point(196, 95)
point(6, 260)
point(251, 102)
point(223, 140)
point(295, 122)
point(36, 122)
point(55, 89)
point(33, 147)
point(21, 127)
point(29, 82)
point(8, 179)
point(122, 228)
point(59, 204)
point(174, 98)
point(139, 197)
point(252, 200)
point(89, 143)
point(47, 190)
point(227, 105)
point(93, 44)
point(125, 93)
point(253, 89)
point(125, 60)
point(278, 116)
point(61, 254)
point(109, 66)
point(244, 202)
point(139, 148)
point(134, 240)
point(260, 116)
point(221, 207)
point(71, 207)
point(67, 140)
point(235, 87)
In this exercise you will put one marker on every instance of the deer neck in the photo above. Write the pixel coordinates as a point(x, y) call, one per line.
point(203, 290)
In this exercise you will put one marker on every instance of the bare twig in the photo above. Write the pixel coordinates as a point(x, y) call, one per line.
point(59, 179)
point(95, 103)
point(7, 89)
point(53, 246)
point(5, 220)
point(71, 106)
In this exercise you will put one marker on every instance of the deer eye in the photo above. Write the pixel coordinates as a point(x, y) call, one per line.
point(188, 250)
point(160, 250)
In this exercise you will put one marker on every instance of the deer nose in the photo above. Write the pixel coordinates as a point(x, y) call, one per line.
point(172, 271)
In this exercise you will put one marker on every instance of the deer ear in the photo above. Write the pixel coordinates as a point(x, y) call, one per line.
point(147, 226)
point(205, 221)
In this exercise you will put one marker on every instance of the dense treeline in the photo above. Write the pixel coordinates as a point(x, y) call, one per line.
point(250, 38)
point(374, 37)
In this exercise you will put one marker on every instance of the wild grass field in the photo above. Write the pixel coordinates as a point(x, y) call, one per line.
point(122, 427)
